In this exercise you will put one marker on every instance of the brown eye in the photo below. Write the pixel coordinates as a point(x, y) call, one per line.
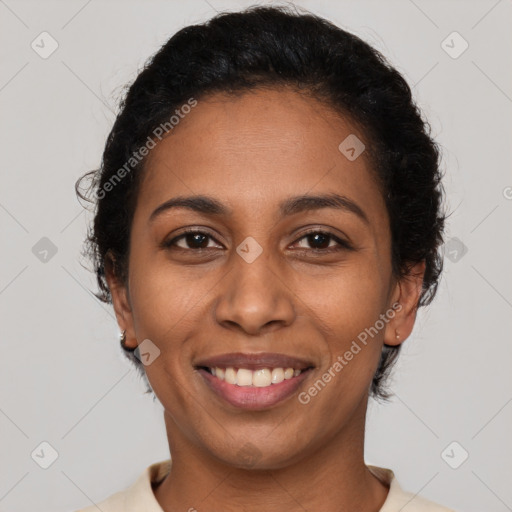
point(191, 240)
point(324, 241)
point(195, 240)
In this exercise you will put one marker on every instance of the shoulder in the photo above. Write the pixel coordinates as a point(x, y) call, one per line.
point(413, 503)
point(398, 499)
point(114, 503)
point(138, 497)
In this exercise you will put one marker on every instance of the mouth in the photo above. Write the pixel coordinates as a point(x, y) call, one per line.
point(254, 381)
point(246, 377)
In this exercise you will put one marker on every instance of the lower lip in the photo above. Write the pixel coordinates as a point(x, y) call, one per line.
point(252, 397)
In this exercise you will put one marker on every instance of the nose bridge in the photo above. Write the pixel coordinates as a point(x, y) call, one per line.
point(252, 296)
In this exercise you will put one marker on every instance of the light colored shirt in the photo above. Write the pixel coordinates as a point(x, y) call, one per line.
point(139, 497)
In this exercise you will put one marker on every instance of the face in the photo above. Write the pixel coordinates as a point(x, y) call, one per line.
point(276, 281)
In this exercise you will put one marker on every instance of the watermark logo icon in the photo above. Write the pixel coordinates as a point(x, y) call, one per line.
point(44, 250)
point(44, 455)
point(44, 45)
point(454, 455)
point(249, 455)
point(146, 352)
point(455, 249)
point(249, 249)
point(454, 45)
point(351, 147)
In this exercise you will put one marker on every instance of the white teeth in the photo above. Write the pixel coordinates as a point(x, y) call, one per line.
point(277, 375)
point(288, 373)
point(230, 376)
point(261, 378)
point(244, 377)
point(258, 378)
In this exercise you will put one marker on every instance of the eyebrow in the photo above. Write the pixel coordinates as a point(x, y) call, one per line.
point(210, 206)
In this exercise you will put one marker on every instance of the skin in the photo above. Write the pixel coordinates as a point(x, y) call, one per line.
point(251, 152)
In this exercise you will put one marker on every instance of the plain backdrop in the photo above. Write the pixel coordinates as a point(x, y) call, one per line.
point(64, 381)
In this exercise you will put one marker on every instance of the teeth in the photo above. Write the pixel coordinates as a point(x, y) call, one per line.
point(277, 375)
point(288, 373)
point(257, 378)
point(230, 376)
point(261, 378)
point(244, 377)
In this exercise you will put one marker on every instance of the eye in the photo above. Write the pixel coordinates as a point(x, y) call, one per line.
point(320, 241)
point(192, 239)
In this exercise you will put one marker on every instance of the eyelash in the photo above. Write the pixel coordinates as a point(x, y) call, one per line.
point(342, 244)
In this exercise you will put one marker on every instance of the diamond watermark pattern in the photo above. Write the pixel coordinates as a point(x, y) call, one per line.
point(249, 249)
point(351, 147)
point(147, 352)
point(44, 45)
point(44, 455)
point(454, 455)
point(455, 249)
point(44, 250)
point(454, 45)
point(249, 454)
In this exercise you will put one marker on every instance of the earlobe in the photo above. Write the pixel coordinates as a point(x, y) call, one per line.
point(124, 345)
point(409, 290)
point(121, 303)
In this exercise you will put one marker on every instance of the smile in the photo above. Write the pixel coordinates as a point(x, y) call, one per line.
point(249, 396)
point(254, 381)
point(261, 378)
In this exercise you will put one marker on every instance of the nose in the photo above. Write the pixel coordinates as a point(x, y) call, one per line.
point(254, 298)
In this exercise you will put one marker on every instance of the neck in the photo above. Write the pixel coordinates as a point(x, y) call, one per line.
point(330, 479)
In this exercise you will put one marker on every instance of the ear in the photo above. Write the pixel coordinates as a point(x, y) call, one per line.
point(121, 300)
point(406, 295)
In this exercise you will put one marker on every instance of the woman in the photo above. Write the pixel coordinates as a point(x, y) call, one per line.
point(268, 220)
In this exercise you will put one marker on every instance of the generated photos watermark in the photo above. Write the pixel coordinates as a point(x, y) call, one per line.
point(137, 156)
point(342, 360)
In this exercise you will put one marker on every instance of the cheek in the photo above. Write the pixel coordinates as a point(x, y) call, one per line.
point(162, 296)
point(348, 316)
point(349, 298)
point(166, 310)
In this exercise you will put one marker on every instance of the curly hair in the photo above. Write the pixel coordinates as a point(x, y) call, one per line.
point(276, 47)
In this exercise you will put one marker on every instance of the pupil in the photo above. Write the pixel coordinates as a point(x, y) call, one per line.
point(198, 240)
point(313, 239)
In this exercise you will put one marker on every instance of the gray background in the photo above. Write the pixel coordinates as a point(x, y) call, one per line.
point(63, 378)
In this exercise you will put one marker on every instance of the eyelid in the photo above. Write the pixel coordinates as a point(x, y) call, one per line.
point(169, 242)
point(343, 243)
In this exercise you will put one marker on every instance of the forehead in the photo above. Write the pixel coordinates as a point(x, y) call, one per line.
point(254, 150)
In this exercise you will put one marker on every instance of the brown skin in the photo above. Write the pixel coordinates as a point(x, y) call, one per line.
point(251, 153)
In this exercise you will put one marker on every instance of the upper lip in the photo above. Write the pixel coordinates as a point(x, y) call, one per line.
point(254, 361)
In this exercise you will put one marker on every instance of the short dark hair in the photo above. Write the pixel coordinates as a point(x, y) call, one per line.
point(273, 47)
